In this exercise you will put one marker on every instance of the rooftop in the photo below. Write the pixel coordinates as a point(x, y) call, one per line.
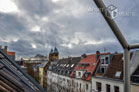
point(115, 68)
point(14, 79)
point(88, 63)
point(65, 66)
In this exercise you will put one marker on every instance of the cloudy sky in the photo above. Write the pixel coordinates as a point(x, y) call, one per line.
point(29, 27)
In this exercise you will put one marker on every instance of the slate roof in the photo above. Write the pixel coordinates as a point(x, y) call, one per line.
point(51, 51)
point(43, 64)
point(65, 66)
point(136, 73)
point(14, 79)
point(55, 50)
point(114, 67)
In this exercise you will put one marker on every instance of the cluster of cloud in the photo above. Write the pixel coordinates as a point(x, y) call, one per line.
point(29, 27)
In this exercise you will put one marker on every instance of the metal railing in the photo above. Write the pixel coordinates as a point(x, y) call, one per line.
point(126, 47)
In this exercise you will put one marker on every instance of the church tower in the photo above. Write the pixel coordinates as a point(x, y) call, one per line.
point(54, 54)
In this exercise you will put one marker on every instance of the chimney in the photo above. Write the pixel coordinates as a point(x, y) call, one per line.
point(84, 56)
point(97, 55)
point(0, 46)
point(5, 48)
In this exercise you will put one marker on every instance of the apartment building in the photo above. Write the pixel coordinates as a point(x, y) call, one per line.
point(112, 79)
point(58, 75)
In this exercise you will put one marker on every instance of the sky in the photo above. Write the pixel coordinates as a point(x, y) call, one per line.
point(31, 27)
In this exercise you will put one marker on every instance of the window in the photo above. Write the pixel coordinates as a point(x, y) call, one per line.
point(102, 61)
point(64, 65)
point(108, 88)
point(86, 86)
point(102, 70)
point(118, 74)
point(72, 65)
point(98, 86)
point(116, 89)
point(107, 60)
point(135, 79)
point(86, 74)
point(79, 73)
point(86, 65)
point(80, 65)
point(61, 65)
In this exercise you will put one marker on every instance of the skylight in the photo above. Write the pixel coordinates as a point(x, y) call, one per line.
point(118, 74)
point(72, 65)
point(61, 65)
point(68, 65)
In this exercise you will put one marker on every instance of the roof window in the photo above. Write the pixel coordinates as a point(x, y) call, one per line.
point(68, 65)
point(118, 74)
point(72, 65)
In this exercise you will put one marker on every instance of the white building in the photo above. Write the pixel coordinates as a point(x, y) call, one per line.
point(83, 71)
point(112, 79)
point(37, 59)
point(58, 75)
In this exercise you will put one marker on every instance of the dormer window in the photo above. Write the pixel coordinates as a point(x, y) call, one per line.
point(86, 74)
point(79, 73)
point(86, 65)
point(80, 65)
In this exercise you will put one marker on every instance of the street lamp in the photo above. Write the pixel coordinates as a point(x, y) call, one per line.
point(126, 47)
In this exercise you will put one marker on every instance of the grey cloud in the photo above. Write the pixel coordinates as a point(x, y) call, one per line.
point(36, 7)
point(62, 28)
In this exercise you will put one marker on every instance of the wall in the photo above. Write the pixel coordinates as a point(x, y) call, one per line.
point(83, 83)
point(103, 82)
point(41, 75)
point(135, 88)
point(60, 83)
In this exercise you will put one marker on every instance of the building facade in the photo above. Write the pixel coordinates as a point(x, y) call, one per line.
point(112, 79)
point(58, 75)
